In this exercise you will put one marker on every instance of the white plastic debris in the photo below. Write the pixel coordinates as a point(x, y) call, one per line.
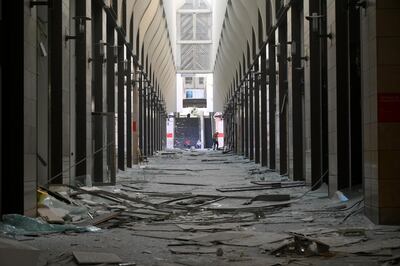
point(340, 196)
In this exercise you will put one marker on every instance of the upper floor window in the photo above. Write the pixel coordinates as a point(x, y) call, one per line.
point(201, 80)
point(188, 81)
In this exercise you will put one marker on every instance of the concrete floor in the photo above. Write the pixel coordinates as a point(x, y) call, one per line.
point(152, 242)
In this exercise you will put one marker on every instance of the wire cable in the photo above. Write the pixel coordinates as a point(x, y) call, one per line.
point(78, 163)
point(315, 185)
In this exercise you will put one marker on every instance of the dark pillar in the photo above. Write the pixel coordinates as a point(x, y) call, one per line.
point(121, 113)
point(264, 124)
point(145, 117)
point(235, 122)
point(156, 126)
point(246, 117)
point(12, 108)
point(140, 137)
point(152, 119)
point(80, 95)
point(272, 101)
point(129, 114)
point(251, 115)
point(242, 119)
point(148, 119)
point(257, 112)
point(283, 97)
point(342, 96)
point(55, 57)
point(110, 99)
point(157, 134)
point(297, 96)
point(97, 90)
point(160, 117)
point(318, 98)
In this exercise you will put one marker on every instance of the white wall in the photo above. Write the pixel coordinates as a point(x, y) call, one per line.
point(170, 13)
point(219, 8)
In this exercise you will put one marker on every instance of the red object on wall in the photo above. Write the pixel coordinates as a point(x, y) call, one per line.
point(169, 135)
point(389, 107)
point(133, 126)
point(220, 135)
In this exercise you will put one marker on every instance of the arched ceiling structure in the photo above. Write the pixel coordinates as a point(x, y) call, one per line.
point(235, 22)
point(152, 44)
point(240, 23)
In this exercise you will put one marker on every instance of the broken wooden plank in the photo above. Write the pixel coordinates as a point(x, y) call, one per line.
point(95, 257)
point(252, 209)
point(168, 153)
point(177, 199)
point(97, 193)
point(140, 227)
point(99, 219)
point(175, 169)
point(251, 188)
point(226, 196)
point(147, 212)
point(157, 193)
point(181, 184)
point(117, 197)
point(214, 160)
point(208, 202)
point(168, 235)
point(56, 195)
point(269, 197)
point(213, 227)
point(278, 183)
point(130, 186)
point(190, 243)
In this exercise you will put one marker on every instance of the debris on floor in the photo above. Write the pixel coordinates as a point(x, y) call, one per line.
point(199, 208)
point(15, 224)
point(49, 216)
point(270, 197)
point(261, 186)
point(302, 246)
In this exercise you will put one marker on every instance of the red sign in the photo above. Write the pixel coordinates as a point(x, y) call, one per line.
point(389, 107)
point(169, 135)
point(133, 126)
point(220, 135)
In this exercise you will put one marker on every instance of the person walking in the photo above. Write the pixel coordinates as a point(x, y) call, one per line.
point(215, 141)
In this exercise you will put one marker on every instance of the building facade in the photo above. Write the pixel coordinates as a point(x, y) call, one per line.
point(310, 90)
point(89, 84)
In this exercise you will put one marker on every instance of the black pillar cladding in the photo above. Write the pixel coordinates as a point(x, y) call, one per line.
point(121, 109)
